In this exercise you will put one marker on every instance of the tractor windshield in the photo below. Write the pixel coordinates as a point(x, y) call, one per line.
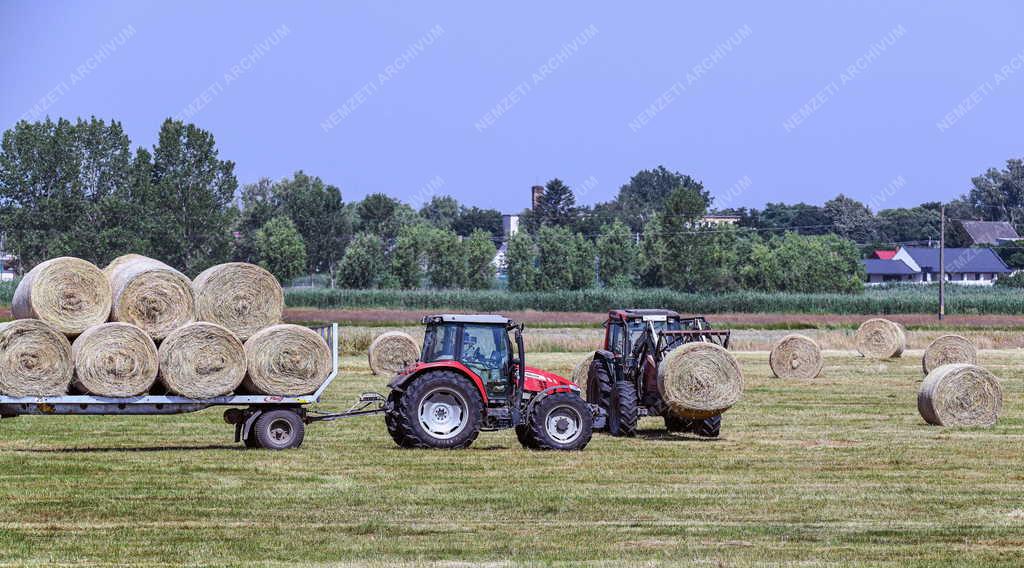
point(439, 343)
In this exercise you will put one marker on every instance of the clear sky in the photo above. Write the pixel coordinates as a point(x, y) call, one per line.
point(891, 103)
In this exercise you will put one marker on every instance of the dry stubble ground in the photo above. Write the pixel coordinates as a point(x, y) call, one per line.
point(839, 470)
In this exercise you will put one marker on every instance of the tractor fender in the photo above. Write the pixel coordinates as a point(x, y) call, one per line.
point(410, 374)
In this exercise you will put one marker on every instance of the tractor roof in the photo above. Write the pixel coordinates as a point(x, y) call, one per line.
point(468, 318)
point(639, 313)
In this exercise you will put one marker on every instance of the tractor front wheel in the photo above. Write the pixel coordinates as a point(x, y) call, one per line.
point(559, 421)
point(439, 409)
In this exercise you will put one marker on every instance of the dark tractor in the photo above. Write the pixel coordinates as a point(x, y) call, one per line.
point(623, 378)
point(472, 376)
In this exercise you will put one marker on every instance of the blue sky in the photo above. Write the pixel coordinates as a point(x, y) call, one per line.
point(891, 103)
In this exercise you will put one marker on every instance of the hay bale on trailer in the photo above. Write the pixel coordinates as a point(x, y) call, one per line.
point(581, 373)
point(960, 395)
point(391, 352)
point(239, 296)
point(114, 359)
point(201, 360)
point(947, 350)
point(879, 338)
point(286, 360)
point(700, 380)
point(68, 293)
point(796, 356)
point(149, 294)
point(35, 359)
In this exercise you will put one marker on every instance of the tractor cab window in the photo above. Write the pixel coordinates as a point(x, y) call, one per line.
point(636, 328)
point(485, 350)
point(439, 343)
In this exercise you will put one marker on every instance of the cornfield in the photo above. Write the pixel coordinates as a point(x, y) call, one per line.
point(882, 300)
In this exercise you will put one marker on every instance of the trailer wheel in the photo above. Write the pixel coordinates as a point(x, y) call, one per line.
point(251, 441)
point(439, 409)
point(561, 421)
point(279, 430)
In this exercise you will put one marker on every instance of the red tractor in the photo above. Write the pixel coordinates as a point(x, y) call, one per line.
point(623, 378)
point(472, 376)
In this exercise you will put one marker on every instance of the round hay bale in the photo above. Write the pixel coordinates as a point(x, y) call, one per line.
point(946, 350)
point(114, 359)
point(201, 360)
point(796, 356)
point(239, 296)
point(700, 380)
point(35, 359)
point(149, 294)
point(286, 360)
point(960, 395)
point(581, 373)
point(68, 293)
point(879, 338)
point(391, 352)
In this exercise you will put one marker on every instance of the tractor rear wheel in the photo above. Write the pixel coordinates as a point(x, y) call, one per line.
point(439, 409)
point(560, 421)
point(525, 438)
point(394, 425)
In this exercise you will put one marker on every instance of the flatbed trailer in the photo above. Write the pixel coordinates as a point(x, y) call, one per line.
point(271, 422)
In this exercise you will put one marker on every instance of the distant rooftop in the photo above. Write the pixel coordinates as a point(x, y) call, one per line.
point(989, 232)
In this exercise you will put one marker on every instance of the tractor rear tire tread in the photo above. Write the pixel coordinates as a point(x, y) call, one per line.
point(629, 409)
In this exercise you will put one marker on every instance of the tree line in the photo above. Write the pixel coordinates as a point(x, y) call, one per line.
point(79, 189)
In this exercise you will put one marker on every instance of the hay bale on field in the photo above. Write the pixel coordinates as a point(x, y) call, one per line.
point(114, 359)
point(879, 338)
point(35, 359)
point(700, 380)
point(149, 294)
point(796, 356)
point(960, 395)
point(201, 360)
point(947, 350)
point(240, 296)
point(581, 373)
point(391, 352)
point(286, 360)
point(68, 293)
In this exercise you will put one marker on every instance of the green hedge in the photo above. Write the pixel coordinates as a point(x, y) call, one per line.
point(882, 300)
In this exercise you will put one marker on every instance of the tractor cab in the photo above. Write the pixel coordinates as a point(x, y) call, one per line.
point(625, 328)
point(484, 344)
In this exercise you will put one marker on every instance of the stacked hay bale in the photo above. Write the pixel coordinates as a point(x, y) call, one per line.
point(391, 352)
point(149, 294)
point(700, 380)
point(796, 356)
point(879, 338)
point(148, 304)
point(581, 373)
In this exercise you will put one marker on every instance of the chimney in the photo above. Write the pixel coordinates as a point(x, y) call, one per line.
point(536, 192)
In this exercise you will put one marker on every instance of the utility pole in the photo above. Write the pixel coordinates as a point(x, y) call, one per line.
point(942, 263)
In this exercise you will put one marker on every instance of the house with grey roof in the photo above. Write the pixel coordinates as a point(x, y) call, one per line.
point(973, 266)
point(989, 232)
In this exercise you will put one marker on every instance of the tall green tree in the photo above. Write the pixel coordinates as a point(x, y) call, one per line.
point(850, 219)
point(521, 263)
point(65, 190)
point(565, 260)
point(446, 264)
point(192, 201)
point(687, 243)
point(317, 210)
point(442, 211)
point(408, 255)
point(998, 194)
point(618, 257)
point(647, 192)
point(364, 262)
point(479, 250)
point(556, 206)
point(472, 218)
point(280, 248)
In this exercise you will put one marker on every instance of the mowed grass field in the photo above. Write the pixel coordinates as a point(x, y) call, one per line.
point(835, 471)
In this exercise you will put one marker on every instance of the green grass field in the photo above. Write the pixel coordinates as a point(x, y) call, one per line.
point(840, 470)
